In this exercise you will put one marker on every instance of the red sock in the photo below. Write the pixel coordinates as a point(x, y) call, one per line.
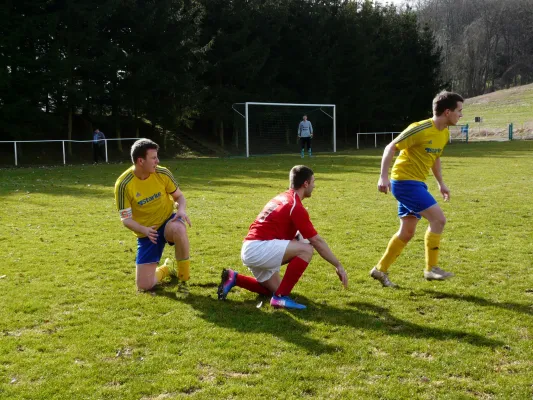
point(295, 269)
point(251, 284)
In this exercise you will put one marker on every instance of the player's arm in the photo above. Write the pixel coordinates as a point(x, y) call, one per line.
point(181, 205)
point(149, 231)
point(124, 207)
point(384, 184)
point(311, 128)
point(299, 129)
point(325, 252)
point(437, 173)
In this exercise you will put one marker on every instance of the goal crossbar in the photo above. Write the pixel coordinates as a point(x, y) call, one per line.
point(256, 103)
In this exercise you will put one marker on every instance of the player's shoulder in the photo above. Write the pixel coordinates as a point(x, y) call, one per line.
point(162, 171)
point(285, 198)
point(420, 125)
point(414, 128)
point(165, 175)
point(125, 178)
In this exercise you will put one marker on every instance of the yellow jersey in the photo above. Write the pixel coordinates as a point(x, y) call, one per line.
point(420, 145)
point(147, 201)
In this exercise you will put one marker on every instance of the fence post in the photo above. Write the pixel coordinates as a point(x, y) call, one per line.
point(105, 143)
point(376, 140)
point(511, 131)
point(357, 140)
point(467, 130)
point(64, 158)
point(16, 159)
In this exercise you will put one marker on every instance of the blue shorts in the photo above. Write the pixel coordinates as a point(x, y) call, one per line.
point(412, 196)
point(148, 252)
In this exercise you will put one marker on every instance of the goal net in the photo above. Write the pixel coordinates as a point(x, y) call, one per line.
point(272, 128)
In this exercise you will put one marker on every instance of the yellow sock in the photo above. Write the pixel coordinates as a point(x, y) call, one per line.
point(183, 270)
point(162, 272)
point(432, 242)
point(394, 249)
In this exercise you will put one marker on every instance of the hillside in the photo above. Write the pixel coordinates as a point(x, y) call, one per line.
point(500, 108)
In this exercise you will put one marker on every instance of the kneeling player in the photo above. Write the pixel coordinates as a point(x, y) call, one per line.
point(271, 243)
point(145, 194)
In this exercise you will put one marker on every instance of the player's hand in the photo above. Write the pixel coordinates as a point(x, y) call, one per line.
point(343, 276)
point(151, 233)
point(445, 192)
point(311, 136)
point(182, 217)
point(384, 185)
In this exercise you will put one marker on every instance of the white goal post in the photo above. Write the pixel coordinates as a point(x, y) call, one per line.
point(269, 128)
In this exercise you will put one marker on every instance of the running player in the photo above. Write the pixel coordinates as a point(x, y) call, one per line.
point(421, 146)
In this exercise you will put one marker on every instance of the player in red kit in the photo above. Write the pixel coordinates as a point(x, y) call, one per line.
point(273, 240)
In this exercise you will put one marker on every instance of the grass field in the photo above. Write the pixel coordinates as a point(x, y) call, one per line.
point(73, 326)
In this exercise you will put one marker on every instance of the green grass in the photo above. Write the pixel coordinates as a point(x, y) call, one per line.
point(500, 108)
point(73, 326)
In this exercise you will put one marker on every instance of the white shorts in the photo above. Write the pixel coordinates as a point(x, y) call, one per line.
point(263, 257)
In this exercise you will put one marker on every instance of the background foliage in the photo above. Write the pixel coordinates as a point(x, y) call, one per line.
point(67, 67)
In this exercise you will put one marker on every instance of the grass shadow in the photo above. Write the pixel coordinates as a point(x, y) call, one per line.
point(480, 301)
point(245, 317)
point(372, 317)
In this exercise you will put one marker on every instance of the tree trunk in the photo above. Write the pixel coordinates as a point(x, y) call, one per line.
point(116, 119)
point(69, 133)
point(346, 133)
point(221, 133)
point(136, 116)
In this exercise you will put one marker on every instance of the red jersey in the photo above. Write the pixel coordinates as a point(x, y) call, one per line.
point(281, 218)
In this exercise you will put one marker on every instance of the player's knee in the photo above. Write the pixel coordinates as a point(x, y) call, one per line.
point(407, 235)
point(439, 222)
point(306, 253)
point(178, 230)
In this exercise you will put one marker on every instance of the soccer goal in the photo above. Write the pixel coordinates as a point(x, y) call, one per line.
point(272, 128)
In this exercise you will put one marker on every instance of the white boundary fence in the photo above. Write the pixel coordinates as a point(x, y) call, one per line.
point(376, 136)
point(388, 133)
point(62, 144)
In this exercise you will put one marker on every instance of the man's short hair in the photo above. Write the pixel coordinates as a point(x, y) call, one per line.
point(299, 175)
point(141, 147)
point(445, 101)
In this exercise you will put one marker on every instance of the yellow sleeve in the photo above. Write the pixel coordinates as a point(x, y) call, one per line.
point(411, 136)
point(171, 185)
point(122, 200)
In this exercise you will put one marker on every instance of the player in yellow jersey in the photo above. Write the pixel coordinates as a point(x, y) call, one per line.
point(145, 195)
point(421, 146)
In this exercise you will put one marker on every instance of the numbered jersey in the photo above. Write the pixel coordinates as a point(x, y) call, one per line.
point(281, 218)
